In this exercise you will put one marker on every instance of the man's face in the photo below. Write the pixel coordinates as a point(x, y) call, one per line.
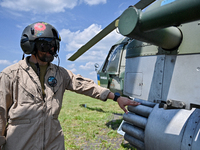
point(45, 56)
point(45, 49)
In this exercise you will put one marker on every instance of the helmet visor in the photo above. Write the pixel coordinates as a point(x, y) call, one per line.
point(46, 44)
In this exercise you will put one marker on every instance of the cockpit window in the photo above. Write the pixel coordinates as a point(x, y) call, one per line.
point(113, 60)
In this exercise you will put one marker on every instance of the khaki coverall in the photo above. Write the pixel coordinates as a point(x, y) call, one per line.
point(31, 119)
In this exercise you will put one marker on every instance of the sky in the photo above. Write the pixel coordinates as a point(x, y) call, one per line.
point(77, 21)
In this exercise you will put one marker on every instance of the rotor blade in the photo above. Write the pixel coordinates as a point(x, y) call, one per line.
point(94, 40)
point(140, 5)
point(143, 3)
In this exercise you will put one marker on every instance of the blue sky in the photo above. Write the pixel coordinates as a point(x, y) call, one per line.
point(77, 21)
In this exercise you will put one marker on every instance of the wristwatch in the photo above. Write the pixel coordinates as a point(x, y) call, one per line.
point(117, 95)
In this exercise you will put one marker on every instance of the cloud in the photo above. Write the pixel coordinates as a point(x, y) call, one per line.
point(97, 54)
point(88, 66)
point(45, 6)
point(19, 26)
point(94, 73)
point(74, 40)
point(71, 66)
point(94, 2)
point(5, 62)
point(15, 61)
point(38, 6)
point(73, 70)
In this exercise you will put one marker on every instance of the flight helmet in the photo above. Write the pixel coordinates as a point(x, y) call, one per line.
point(37, 32)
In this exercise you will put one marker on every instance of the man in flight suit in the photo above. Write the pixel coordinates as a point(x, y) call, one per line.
point(31, 93)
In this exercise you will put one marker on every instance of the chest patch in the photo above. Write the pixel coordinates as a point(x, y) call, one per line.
point(52, 81)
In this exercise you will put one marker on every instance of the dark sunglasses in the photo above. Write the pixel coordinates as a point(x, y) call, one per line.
point(45, 44)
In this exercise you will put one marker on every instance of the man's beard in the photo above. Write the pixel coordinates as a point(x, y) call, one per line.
point(45, 57)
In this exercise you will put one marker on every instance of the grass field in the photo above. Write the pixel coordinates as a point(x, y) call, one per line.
point(91, 124)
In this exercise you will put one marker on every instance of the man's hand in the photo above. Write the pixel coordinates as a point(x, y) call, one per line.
point(124, 101)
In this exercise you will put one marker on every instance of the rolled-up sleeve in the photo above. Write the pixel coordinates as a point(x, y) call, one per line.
point(86, 86)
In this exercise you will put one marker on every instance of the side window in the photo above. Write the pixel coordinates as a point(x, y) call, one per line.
point(114, 59)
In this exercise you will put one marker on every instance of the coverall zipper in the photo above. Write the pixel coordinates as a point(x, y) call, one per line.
point(44, 110)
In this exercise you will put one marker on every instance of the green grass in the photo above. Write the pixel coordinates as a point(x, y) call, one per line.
point(89, 123)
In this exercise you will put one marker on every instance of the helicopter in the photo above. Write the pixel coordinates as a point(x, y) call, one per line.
point(157, 63)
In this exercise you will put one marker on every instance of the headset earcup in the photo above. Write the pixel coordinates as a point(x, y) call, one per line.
point(26, 45)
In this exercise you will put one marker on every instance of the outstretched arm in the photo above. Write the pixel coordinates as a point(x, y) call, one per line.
point(123, 101)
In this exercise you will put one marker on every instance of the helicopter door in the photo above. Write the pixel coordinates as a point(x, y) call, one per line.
point(102, 75)
point(112, 69)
